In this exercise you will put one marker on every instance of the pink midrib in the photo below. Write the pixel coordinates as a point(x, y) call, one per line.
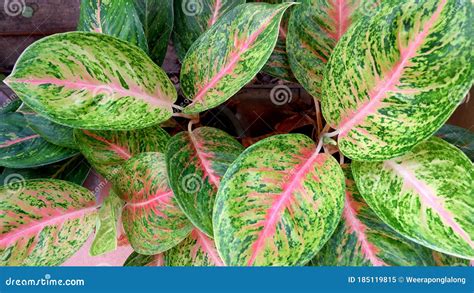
point(215, 13)
point(99, 22)
point(160, 195)
point(92, 87)
point(120, 151)
point(389, 83)
point(275, 211)
point(341, 18)
point(208, 247)
point(429, 198)
point(205, 163)
point(34, 227)
point(233, 61)
point(18, 140)
point(356, 226)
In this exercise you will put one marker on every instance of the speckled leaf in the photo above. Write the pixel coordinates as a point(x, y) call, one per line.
point(194, 17)
point(196, 162)
point(230, 54)
point(196, 250)
point(460, 137)
point(151, 217)
point(362, 239)
point(426, 195)
point(92, 81)
point(445, 260)
point(314, 30)
point(21, 147)
point(157, 19)
point(395, 84)
point(141, 260)
point(105, 238)
point(52, 132)
point(74, 170)
point(117, 18)
point(44, 222)
point(278, 203)
point(106, 151)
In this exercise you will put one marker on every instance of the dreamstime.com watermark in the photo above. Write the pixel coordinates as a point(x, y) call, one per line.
point(44, 281)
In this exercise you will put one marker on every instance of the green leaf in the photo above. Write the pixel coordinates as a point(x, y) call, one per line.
point(194, 17)
point(117, 18)
point(106, 151)
point(395, 84)
point(460, 137)
point(105, 239)
point(52, 132)
point(151, 217)
point(425, 195)
point(314, 29)
point(74, 170)
point(278, 203)
point(157, 19)
point(44, 222)
point(445, 260)
point(196, 250)
point(21, 147)
point(141, 260)
point(92, 81)
point(362, 239)
point(196, 162)
point(230, 54)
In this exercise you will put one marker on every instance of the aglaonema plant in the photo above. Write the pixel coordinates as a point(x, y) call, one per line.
point(374, 187)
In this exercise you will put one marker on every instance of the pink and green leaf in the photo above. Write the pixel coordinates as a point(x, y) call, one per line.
point(92, 81)
point(425, 195)
point(194, 18)
point(196, 163)
point(117, 18)
point(140, 260)
point(21, 147)
point(106, 151)
point(362, 239)
point(314, 30)
point(151, 217)
point(230, 54)
point(396, 77)
point(196, 250)
point(278, 203)
point(44, 222)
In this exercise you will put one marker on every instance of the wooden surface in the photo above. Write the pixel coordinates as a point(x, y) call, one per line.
point(48, 17)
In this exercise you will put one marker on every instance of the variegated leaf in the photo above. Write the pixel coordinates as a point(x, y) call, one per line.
point(21, 147)
point(230, 54)
point(362, 239)
point(105, 239)
point(52, 132)
point(157, 19)
point(196, 250)
point(460, 137)
point(92, 81)
point(426, 195)
point(445, 260)
point(44, 222)
point(151, 217)
point(141, 260)
point(106, 151)
point(278, 203)
point(314, 30)
point(196, 162)
point(396, 77)
point(194, 17)
point(117, 18)
point(74, 170)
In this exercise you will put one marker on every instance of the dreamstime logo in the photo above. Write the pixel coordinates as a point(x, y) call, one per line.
point(14, 183)
point(106, 91)
point(192, 7)
point(281, 95)
point(14, 7)
point(191, 183)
